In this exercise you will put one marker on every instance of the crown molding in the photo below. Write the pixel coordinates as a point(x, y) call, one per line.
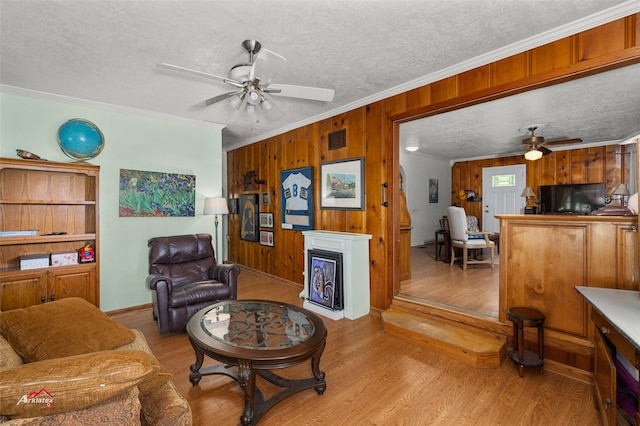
point(45, 96)
point(619, 11)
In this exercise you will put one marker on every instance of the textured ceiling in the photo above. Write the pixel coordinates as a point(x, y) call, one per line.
point(106, 52)
point(600, 109)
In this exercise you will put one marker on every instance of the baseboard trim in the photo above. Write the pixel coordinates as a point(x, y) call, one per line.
point(273, 277)
point(129, 310)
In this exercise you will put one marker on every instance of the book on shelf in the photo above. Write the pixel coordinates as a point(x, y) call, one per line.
point(18, 233)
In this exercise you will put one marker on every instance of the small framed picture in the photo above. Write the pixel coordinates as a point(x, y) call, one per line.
point(233, 205)
point(266, 238)
point(433, 190)
point(265, 198)
point(266, 220)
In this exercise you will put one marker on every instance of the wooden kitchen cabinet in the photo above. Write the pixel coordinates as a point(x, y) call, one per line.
point(60, 202)
point(615, 315)
point(604, 378)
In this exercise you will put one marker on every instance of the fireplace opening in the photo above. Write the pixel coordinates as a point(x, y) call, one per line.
point(325, 279)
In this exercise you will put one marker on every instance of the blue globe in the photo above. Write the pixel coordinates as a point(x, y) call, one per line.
point(80, 139)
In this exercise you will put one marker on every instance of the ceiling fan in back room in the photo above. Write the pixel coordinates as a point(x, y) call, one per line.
point(537, 146)
point(252, 83)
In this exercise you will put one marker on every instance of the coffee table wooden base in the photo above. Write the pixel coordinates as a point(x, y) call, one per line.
point(252, 338)
point(245, 374)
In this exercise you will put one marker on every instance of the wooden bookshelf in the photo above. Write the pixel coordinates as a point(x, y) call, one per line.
point(60, 202)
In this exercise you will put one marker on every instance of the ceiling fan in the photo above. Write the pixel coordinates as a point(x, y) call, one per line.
point(252, 85)
point(536, 145)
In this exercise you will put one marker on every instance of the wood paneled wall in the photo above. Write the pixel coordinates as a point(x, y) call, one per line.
point(372, 133)
point(610, 164)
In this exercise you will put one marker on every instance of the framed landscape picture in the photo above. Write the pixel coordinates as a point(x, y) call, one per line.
point(156, 194)
point(342, 184)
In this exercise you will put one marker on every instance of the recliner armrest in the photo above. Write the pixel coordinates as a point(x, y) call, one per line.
point(154, 279)
point(226, 273)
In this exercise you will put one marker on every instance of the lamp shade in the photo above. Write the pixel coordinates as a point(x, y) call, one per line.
point(533, 154)
point(215, 206)
point(412, 144)
point(527, 192)
point(622, 190)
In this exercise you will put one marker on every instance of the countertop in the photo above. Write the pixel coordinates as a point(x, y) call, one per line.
point(620, 307)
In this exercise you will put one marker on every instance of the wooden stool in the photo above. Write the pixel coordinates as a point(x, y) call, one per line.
point(526, 317)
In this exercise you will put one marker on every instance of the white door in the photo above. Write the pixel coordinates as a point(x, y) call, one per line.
point(501, 190)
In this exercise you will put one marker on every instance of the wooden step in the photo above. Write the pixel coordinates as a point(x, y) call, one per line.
point(470, 346)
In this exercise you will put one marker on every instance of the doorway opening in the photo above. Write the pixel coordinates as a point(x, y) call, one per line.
point(476, 289)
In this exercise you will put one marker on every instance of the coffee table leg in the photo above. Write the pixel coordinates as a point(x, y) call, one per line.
point(315, 367)
point(247, 381)
point(195, 376)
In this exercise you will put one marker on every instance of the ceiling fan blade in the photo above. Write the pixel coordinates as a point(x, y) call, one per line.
point(215, 99)
point(552, 142)
point(266, 64)
point(200, 74)
point(544, 150)
point(303, 92)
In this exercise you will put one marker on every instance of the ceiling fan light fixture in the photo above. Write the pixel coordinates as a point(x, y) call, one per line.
point(253, 97)
point(251, 81)
point(535, 140)
point(412, 144)
point(533, 154)
point(266, 104)
point(236, 101)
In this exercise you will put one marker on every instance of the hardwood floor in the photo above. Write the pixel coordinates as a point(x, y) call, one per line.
point(375, 379)
point(475, 289)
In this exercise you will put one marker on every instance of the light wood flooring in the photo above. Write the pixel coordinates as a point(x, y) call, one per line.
point(375, 379)
point(475, 289)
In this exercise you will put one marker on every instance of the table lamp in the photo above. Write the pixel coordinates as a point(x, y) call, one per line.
point(622, 191)
point(527, 193)
point(216, 206)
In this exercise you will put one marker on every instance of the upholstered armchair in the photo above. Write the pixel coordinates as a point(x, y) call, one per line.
point(462, 237)
point(184, 277)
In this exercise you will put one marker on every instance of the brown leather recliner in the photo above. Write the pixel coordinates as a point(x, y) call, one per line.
point(185, 277)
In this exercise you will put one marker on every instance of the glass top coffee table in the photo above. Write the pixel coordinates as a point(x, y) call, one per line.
point(257, 336)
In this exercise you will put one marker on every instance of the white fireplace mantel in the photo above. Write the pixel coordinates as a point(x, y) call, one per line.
point(355, 267)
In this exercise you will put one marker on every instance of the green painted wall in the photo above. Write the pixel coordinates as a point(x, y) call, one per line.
point(132, 142)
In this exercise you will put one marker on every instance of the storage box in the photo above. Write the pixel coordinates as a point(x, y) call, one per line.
point(18, 233)
point(65, 258)
point(34, 261)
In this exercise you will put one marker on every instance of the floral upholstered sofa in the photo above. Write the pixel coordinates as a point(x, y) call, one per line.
point(66, 362)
